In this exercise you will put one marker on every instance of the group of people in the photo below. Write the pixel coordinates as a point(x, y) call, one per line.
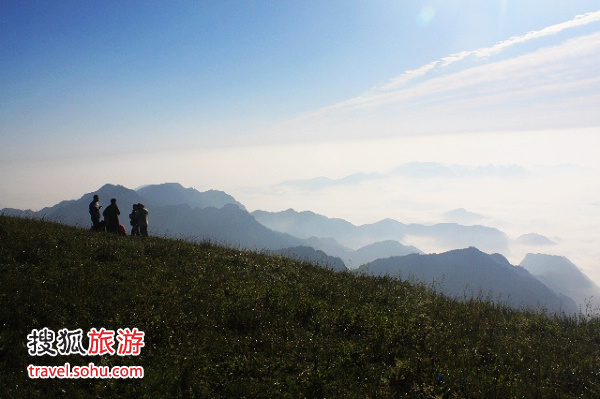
point(138, 218)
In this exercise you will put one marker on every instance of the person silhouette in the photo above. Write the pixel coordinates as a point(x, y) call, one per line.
point(94, 209)
point(111, 216)
point(133, 221)
point(142, 218)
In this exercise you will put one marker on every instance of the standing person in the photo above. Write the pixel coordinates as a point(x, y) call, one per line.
point(95, 212)
point(133, 221)
point(142, 217)
point(111, 216)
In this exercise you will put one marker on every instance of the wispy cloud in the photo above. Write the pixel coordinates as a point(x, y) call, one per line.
point(555, 86)
point(579, 20)
point(408, 76)
point(485, 52)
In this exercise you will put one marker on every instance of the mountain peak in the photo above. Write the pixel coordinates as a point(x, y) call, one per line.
point(173, 185)
point(112, 187)
point(535, 239)
point(175, 194)
point(562, 276)
point(470, 272)
point(542, 263)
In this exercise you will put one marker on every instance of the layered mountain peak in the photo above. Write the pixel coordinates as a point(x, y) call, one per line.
point(214, 215)
point(167, 194)
point(469, 272)
point(562, 276)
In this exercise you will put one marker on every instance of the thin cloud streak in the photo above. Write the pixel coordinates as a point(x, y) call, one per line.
point(579, 20)
point(499, 88)
point(485, 52)
point(408, 76)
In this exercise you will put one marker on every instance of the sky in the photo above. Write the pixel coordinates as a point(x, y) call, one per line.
point(361, 110)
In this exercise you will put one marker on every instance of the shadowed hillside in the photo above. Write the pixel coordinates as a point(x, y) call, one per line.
point(222, 322)
point(562, 276)
point(465, 273)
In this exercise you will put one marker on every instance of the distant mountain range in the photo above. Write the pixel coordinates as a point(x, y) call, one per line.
point(563, 277)
point(308, 224)
point(178, 212)
point(216, 216)
point(175, 194)
point(468, 273)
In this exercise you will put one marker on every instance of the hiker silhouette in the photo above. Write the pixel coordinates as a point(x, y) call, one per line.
point(111, 217)
point(133, 221)
point(142, 219)
point(94, 209)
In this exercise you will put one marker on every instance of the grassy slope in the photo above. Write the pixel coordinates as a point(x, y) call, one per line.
point(227, 323)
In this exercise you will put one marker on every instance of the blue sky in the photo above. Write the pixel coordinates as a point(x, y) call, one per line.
point(86, 72)
point(248, 96)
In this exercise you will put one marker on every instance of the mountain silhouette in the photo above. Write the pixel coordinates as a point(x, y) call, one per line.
point(533, 239)
point(306, 224)
point(229, 225)
point(354, 258)
point(467, 273)
point(382, 249)
point(175, 194)
point(562, 276)
point(450, 235)
point(75, 212)
point(176, 211)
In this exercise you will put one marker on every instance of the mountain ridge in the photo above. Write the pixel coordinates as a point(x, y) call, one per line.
point(306, 224)
point(216, 216)
point(467, 273)
point(563, 277)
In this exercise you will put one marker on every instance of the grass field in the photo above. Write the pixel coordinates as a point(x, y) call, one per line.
point(221, 322)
